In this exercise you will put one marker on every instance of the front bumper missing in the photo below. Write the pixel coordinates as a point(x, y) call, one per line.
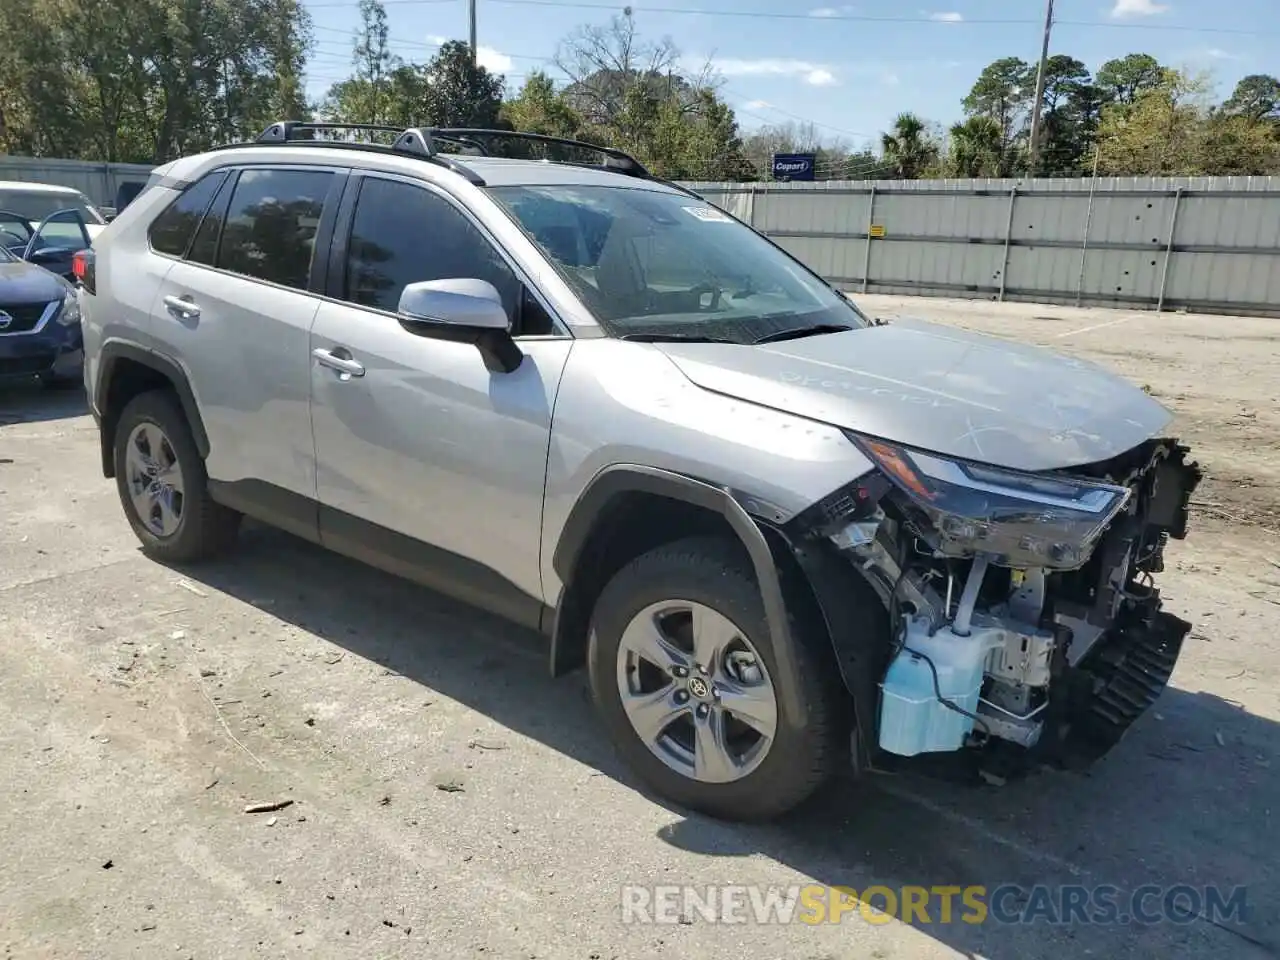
point(1122, 676)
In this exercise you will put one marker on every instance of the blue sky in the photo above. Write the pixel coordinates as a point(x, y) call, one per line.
point(848, 68)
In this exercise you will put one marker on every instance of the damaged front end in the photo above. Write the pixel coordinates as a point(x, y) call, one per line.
point(1024, 626)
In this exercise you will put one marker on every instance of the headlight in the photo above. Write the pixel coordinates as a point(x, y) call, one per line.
point(1020, 519)
point(69, 313)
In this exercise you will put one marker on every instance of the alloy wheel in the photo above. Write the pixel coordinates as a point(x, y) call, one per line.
point(696, 691)
point(154, 480)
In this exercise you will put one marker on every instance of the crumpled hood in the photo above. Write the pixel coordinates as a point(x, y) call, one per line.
point(23, 282)
point(940, 389)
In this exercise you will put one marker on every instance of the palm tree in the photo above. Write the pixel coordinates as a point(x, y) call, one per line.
point(976, 149)
point(908, 147)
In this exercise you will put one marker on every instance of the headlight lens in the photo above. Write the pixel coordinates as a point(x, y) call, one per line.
point(1020, 519)
point(69, 312)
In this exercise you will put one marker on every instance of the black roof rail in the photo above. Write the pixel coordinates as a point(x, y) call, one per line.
point(425, 142)
point(617, 160)
point(298, 132)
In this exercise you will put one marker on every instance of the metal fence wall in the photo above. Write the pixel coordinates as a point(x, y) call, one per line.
point(1204, 244)
point(97, 181)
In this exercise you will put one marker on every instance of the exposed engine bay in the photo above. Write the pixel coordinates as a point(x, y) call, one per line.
point(1024, 621)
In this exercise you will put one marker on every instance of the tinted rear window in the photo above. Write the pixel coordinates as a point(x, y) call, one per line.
point(271, 225)
point(171, 232)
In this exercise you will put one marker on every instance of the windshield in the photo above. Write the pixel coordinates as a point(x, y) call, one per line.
point(660, 264)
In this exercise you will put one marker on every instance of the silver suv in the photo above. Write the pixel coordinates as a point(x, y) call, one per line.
point(780, 536)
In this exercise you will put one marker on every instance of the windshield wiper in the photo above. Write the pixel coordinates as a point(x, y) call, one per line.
point(796, 332)
point(676, 338)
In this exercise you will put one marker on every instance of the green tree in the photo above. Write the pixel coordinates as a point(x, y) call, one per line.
point(460, 93)
point(366, 96)
point(1256, 97)
point(145, 80)
point(1158, 134)
point(1003, 92)
point(977, 149)
point(540, 108)
point(1122, 81)
point(1240, 146)
point(908, 147)
point(1069, 113)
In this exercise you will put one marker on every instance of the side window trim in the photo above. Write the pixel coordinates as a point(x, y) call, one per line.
point(220, 172)
point(340, 243)
point(322, 253)
point(335, 289)
point(221, 202)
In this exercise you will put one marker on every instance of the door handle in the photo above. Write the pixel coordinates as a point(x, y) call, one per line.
point(182, 306)
point(326, 358)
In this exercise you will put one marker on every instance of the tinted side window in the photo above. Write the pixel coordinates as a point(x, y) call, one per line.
point(271, 224)
point(204, 247)
point(403, 234)
point(172, 231)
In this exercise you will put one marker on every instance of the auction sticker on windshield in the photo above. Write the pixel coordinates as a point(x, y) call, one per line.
point(710, 214)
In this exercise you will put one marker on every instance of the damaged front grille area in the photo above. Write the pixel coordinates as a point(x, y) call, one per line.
point(1047, 661)
point(1123, 677)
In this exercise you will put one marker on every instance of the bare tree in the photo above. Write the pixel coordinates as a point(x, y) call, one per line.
point(605, 64)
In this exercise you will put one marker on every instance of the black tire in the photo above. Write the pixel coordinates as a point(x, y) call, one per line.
point(715, 572)
point(205, 528)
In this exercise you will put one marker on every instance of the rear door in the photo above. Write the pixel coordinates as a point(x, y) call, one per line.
point(238, 312)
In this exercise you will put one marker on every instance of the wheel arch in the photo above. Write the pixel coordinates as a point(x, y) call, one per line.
point(126, 370)
point(616, 509)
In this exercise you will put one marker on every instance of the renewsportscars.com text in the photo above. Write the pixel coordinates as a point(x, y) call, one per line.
point(1006, 904)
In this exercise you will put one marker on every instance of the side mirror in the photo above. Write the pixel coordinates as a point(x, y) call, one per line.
point(464, 310)
point(467, 303)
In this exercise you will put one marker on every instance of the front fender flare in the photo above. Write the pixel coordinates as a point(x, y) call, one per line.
point(635, 478)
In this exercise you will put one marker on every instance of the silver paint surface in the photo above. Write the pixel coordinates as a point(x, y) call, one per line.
point(940, 389)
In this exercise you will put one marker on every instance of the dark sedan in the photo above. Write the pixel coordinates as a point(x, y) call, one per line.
point(39, 324)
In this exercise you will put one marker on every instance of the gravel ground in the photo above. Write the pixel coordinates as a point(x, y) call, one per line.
point(449, 799)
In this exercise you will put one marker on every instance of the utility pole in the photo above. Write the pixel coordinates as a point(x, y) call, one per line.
point(1040, 78)
point(471, 11)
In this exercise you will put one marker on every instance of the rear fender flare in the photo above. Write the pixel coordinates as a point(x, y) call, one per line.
point(113, 352)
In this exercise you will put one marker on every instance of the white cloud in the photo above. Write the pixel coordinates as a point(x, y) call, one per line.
point(1138, 8)
point(890, 79)
point(949, 16)
point(831, 11)
point(495, 61)
point(757, 105)
point(492, 60)
point(1215, 53)
point(814, 74)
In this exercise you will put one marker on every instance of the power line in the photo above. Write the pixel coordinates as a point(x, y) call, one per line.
point(840, 17)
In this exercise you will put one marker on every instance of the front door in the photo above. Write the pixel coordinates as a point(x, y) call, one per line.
point(428, 463)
